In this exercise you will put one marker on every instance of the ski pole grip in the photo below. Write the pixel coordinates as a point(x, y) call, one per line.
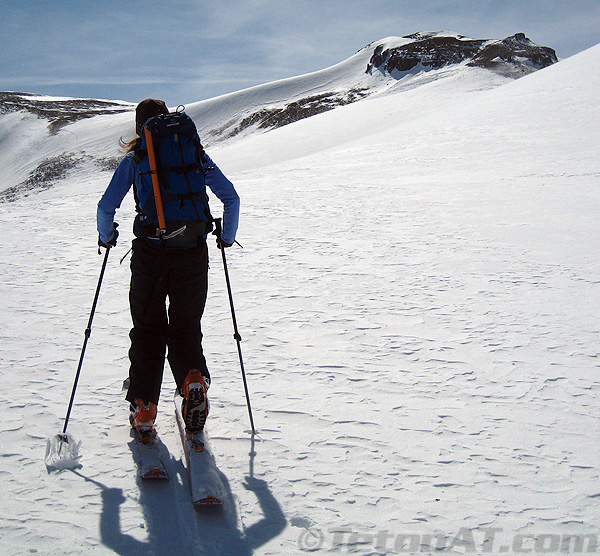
point(218, 227)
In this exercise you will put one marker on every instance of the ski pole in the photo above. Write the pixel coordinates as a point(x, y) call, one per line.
point(88, 332)
point(236, 333)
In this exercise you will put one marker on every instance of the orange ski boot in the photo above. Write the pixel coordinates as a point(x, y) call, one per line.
point(195, 405)
point(142, 419)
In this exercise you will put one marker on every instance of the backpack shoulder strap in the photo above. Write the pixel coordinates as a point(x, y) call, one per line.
point(139, 154)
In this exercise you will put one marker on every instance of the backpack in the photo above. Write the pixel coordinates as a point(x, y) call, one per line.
point(181, 166)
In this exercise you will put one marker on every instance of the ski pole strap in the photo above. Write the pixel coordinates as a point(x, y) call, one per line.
point(162, 225)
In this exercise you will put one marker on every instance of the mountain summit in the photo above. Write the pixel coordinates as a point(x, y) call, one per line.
point(513, 56)
point(387, 66)
point(44, 137)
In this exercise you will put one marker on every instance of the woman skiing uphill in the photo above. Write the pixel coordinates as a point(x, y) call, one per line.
point(170, 262)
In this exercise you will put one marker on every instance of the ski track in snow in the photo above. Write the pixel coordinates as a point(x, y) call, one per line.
point(420, 331)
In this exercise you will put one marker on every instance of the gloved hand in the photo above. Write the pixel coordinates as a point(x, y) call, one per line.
point(112, 242)
point(221, 244)
point(217, 232)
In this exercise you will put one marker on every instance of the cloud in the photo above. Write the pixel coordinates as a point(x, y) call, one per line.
point(209, 47)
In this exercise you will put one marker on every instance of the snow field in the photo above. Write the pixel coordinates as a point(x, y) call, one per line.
point(419, 311)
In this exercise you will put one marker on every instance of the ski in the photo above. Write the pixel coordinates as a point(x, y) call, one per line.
point(205, 481)
point(149, 456)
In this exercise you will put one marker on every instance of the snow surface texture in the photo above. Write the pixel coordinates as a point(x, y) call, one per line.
point(418, 295)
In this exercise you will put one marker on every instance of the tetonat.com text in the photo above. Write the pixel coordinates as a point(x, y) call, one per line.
point(485, 540)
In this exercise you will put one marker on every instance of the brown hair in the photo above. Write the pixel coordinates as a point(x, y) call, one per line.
point(145, 110)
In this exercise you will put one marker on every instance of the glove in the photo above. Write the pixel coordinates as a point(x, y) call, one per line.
point(112, 242)
point(221, 244)
point(217, 232)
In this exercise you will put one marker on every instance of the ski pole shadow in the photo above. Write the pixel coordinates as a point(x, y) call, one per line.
point(273, 521)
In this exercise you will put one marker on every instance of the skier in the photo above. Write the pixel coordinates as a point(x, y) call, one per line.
point(160, 270)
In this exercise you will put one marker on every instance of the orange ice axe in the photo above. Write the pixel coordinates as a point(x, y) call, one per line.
point(162, 225)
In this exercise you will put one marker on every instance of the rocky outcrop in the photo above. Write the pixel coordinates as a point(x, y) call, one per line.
point(272, 118)
point(512, 55)
point(58, 112)
point(516, 51)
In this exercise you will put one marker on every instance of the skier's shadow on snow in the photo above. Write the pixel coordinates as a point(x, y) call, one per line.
point(172, 525)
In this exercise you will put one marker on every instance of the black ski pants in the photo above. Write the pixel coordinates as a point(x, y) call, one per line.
point(158, 274)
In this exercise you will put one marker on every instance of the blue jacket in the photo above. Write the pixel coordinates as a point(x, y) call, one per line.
point(128, 174)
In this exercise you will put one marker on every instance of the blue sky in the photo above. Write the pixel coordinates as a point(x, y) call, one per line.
point(188, 50)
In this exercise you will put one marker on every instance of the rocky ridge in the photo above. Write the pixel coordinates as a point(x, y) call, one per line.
point(513, 56)
point(58, 112)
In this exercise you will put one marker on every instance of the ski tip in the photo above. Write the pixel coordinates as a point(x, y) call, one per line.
point(155, 473)
point(210, 500)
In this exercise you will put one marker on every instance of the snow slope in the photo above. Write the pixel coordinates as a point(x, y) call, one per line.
point(30, 144)
point(418, 295)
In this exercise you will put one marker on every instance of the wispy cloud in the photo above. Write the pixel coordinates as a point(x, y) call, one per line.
point(186, 50)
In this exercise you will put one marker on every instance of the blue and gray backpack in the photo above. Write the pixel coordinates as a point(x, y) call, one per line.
point(181, 168)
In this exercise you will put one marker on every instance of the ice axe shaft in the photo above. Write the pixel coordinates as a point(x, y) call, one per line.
point(162, 226)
